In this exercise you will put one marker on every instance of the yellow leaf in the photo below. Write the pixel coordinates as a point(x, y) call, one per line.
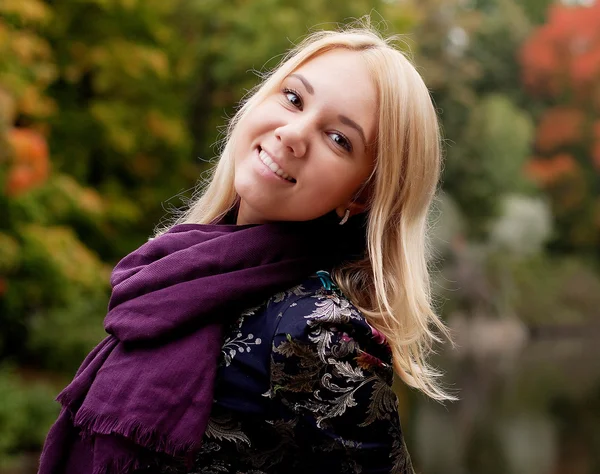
point(171, 130)
point(29, 48)
point(7, 107)
point(61, 247)
point(29, 11)
point(9, 253)
point(32, 102)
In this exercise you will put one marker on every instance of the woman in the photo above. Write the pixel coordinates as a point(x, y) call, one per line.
point(307, 254)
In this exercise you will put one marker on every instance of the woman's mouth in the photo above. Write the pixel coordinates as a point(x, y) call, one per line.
point(274, 167)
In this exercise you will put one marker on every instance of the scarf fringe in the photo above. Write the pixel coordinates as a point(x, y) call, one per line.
point(66, 400)
point(91, 424)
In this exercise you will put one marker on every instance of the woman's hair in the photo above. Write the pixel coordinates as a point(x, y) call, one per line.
point(391, 286)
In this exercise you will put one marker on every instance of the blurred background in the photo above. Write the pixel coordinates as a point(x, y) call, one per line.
point(110, 111)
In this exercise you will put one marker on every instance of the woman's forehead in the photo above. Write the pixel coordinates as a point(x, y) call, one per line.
point(336, 60)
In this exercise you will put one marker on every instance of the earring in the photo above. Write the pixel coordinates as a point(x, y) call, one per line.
point(345, 218)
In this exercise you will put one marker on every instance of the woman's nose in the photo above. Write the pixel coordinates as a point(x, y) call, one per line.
point(294, 136)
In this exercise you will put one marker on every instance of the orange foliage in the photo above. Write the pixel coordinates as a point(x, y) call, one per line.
point(144, 166)
point(564, 54)
point(546, 172)
point(31, 164)
point(559, 126)
point(563, 179)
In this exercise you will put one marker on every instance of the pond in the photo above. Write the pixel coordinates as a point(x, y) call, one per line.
point(529, 403)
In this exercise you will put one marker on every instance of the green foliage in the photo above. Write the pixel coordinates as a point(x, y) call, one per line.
point(503, 28)
point(61, 337)
point(556, 291)
point(26, 413)
point(54, 274)
point(535, 10)
point(488, 162)
point(540, 291)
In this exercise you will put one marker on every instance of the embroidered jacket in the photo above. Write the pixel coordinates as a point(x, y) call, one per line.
point(304, 387)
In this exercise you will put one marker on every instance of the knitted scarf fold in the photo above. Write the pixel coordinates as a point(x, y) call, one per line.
point(147, 388)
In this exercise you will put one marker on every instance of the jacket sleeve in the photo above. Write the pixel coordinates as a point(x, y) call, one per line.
point(330, 375)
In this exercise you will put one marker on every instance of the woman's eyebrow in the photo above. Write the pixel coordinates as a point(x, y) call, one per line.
point(351, 123)
point(307, 85)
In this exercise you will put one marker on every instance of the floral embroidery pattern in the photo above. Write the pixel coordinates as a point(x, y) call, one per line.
point(238, 344)
point(333, 386)
point(225, 428)
point(295, 291)
point(328, 403)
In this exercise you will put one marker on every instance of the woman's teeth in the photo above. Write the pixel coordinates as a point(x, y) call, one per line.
point(266, 159)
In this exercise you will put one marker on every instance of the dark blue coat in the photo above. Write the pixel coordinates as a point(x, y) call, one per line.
point(304, 387)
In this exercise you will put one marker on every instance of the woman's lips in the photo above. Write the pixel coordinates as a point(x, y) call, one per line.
point(274, 166)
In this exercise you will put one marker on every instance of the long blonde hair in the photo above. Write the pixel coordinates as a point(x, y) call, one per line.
point(391, 286)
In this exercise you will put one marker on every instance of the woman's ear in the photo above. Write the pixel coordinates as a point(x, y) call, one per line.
point(358, 205)
point(360, 201)
point(354, 208)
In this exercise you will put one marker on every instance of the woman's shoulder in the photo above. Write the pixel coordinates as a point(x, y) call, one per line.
point(319, 302)
point(321, 320)
point(312, 319)
point(319, 377)
point(316, 299)
point(333, 370)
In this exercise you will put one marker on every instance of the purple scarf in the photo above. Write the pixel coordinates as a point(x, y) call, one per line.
point(147, 389)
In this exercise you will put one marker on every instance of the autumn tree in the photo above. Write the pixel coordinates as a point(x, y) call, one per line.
point(52, 286)
point(561, 68)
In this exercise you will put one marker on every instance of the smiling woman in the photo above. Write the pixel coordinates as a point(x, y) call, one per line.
point(257, 334)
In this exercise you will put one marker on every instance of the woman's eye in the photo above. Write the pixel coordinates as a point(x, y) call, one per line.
point(341, 140)
point(293, 98)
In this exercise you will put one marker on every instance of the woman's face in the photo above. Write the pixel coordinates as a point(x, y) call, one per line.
point(307, 148)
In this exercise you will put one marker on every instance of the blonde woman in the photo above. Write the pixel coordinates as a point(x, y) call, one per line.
point(259, 333)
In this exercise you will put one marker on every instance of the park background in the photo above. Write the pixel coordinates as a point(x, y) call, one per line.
point(110, 110)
